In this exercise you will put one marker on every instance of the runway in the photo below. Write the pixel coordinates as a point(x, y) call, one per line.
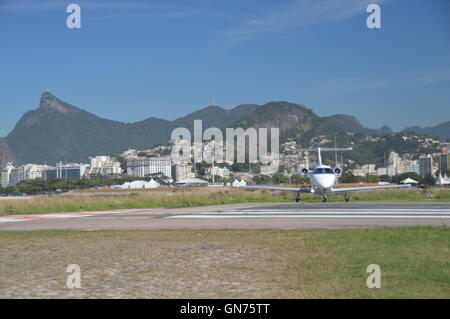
point(244, 216)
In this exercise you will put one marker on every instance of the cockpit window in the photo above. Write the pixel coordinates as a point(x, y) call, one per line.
point(322, 170)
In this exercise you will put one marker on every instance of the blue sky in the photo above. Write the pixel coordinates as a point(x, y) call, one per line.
point(136, 59)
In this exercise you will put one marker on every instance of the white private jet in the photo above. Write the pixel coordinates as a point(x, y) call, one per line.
point(323, 178)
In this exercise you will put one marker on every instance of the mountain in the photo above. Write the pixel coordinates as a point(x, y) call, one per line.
point(283, 115)
point(385, 130)
point(58, 131)
point(215, 116)
point(294, 121)
point(6, 153)
point(352, 126)
point(441, 130)
point(309, 130)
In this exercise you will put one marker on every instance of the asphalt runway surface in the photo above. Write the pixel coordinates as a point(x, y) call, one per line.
point(244, 216)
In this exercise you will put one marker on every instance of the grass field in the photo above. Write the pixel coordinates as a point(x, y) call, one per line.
point(193, 197)
point(415, 263)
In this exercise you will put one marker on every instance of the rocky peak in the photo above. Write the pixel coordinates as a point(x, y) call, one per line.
point(49, 101)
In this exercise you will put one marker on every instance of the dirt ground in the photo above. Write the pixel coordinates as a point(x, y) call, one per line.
point(134, 265)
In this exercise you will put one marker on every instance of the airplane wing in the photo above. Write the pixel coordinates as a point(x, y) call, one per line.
point(368, 188)
point(289, 189)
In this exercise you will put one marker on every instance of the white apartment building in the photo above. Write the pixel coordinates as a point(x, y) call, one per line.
point(130, 154)
point(143, 166)
point(399, 165)
point(406, 167)
point(219, 171)
point(367, 169)
point(16, 176)
point(104, 165)
point(27, 172)
point(394, 160)
point(392, 171)
point(389, 171)
point(33, 171)
point(5, 174)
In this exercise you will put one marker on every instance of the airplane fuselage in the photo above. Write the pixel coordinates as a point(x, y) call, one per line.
point(322, 179)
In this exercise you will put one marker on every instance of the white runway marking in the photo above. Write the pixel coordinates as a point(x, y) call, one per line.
point(389, 213)
point(300, 216)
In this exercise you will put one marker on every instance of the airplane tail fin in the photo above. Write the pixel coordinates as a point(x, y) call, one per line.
point(319, 149)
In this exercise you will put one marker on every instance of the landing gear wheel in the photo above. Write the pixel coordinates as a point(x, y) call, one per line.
point(346, 197)
point(297, 197)
point(324, 199)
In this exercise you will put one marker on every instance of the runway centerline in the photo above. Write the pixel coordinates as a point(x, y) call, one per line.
point(317, 214)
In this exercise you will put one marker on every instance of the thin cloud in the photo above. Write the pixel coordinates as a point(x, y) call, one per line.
point(27, 5)
point(114, 9)
point(17, 6)
point(300, 13)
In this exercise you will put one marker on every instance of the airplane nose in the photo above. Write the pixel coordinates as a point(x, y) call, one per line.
point(325, 181)
point(327, 185)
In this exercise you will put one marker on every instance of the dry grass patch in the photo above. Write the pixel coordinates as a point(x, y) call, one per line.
point(415, 263)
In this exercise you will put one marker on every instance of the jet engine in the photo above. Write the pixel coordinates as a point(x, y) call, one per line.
point(305, 172)
point(337, 171)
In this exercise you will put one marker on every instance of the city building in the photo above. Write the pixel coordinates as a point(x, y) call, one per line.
point(399, 165)
point(414, 168)
point(219, 171)
point(33, 171)
point(5, 174)
point(104, 166)
point(394, 160)
point(382, 171)
point(130, 154)
point(26, 172)
point(425, 165)
point(367, 169)
point(16, 176)
point(213, 148)
point(443, 161)
point(67, 171)
point(182, 171)
point(392, 171)
point(142, 167)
